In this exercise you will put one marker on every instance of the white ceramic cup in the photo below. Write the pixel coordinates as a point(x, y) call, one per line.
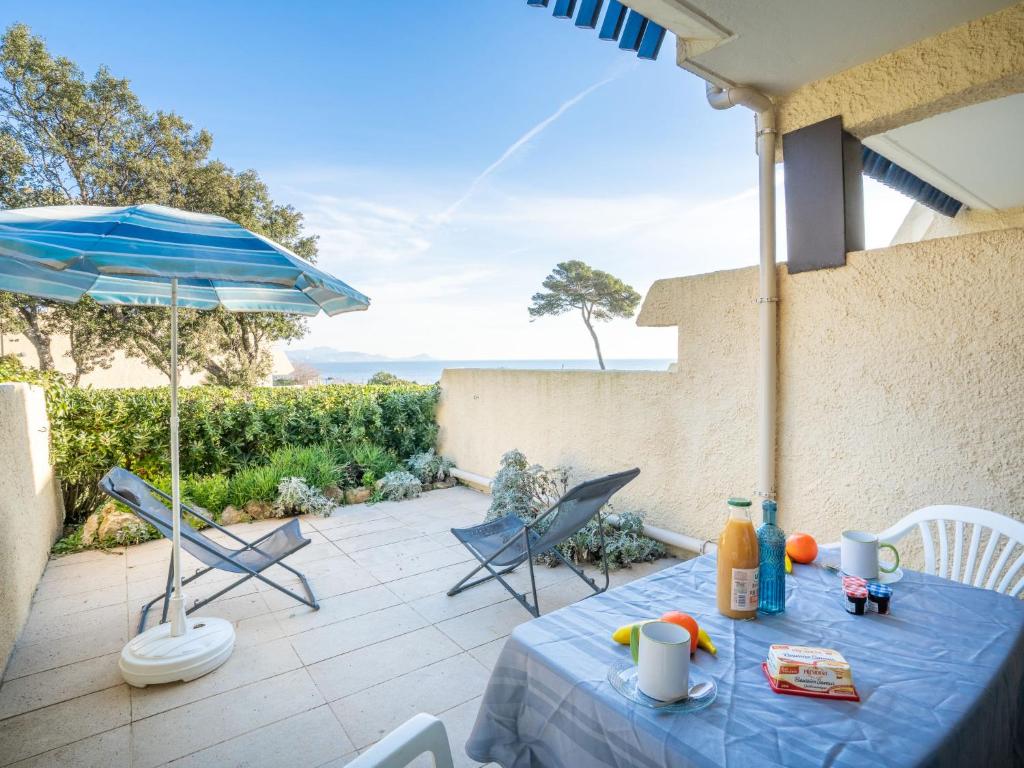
point(663, 660)
point(859, 555)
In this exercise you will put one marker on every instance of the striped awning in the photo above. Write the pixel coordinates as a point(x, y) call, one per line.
point(633, 31)
point(130, 255)
point(886, 171)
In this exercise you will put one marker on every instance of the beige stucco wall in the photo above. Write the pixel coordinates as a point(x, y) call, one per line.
point(31, 511)
point(900, 386)
point(922, 223)
point(969, 64)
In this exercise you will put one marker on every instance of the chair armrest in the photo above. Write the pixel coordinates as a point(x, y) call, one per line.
point(421, 733)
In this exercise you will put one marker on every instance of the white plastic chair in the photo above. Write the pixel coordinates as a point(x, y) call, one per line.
point(1002, 530)
point(417, 735)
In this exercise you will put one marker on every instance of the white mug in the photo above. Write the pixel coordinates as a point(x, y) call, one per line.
point(662, 654)
point(859, 555)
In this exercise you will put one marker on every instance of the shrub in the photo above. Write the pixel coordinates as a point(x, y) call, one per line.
point(398, 485)
point(386, 379)
point(429, 467)
point(207, 491)
point(524, 489)
point(222, 430)
point(296, 497)
point(314, 465)
point(530, 490)
point(374, 461)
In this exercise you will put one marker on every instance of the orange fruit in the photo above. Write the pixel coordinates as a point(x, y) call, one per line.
point(687, 622)
point(801, 548)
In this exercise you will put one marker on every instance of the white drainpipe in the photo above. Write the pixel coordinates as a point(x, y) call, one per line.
point(768, 297)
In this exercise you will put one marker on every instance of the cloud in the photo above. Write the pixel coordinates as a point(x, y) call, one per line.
point(519, 144)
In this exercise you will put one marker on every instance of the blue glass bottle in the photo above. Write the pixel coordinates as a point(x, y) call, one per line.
point(772, 544)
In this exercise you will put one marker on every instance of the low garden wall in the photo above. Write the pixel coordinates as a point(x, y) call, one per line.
point(901, 384)
point(30, 505)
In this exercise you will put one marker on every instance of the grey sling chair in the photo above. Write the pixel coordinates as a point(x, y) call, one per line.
point(504, 544)
point(251, 559)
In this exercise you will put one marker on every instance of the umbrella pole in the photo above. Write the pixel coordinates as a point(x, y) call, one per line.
point(177, 612)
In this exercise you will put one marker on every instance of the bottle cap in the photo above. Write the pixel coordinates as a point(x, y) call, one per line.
point(738, 501)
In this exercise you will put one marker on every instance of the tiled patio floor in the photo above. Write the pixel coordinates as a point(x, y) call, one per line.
point(303, 687)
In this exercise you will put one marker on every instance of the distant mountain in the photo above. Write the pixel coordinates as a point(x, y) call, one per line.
point(331, 355)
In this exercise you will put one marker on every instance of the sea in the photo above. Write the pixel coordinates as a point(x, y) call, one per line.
point(429, 371)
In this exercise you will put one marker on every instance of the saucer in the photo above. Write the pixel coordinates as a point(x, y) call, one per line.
point(622, 675)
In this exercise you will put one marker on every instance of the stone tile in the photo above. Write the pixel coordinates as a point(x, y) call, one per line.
point(53, 686)
point(488, 653)
point(486, 624)
point(246, 665)
point(459, 722)
point(439, 606)
point(380, 538)
point(235, 606)
point(445, 524)
point(351, 531)
point(110, 749)
point(85, 582)
point(48, 654)
point(89, 556)
point(257, 630)
point(273, 746)
point(399, 550)
point(311, 553)
point(363, 668)
point(341, 761)
point(333, 640)
point(40, 627)
point(369, 715)
point(140, 592)
point(202, 724)
point(421, 585)
point(338, 580)
point(564, 593)
point(333, 609)
point(359, 513)
point(82, 601)
point(422, 563)
point(97, 573)
point(55, 726)
point(148, 552)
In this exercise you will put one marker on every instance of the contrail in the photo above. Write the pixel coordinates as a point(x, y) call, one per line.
point(518, 144)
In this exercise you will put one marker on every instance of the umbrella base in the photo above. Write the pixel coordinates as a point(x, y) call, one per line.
point(156, 657)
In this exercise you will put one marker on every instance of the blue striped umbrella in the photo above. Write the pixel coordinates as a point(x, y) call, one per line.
point(152, 255)
point(131, 255)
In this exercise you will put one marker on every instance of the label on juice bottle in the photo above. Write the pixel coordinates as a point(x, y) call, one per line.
point(744, 589)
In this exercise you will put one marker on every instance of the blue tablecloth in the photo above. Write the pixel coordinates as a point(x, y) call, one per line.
point(941, 681)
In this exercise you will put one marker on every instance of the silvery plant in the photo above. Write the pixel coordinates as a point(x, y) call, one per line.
point(296, 497)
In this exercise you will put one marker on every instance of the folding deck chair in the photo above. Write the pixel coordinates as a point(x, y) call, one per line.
point(504, 544)
point(148, 504)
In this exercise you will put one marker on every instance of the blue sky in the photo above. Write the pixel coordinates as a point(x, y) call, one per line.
point(450, 153)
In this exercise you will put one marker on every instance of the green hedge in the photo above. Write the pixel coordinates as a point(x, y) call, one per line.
point(221, 429)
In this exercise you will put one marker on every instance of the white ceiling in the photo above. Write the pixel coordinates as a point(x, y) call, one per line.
point(975, 154)
point(779, 46)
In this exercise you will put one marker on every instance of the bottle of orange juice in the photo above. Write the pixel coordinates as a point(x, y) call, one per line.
point(738, 563)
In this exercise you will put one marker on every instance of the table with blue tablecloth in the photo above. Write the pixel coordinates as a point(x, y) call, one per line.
point(941, 681)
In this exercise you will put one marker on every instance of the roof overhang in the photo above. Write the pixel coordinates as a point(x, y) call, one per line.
point(778, 47)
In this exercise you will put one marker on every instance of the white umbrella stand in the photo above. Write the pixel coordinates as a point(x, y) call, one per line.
point(186, 647)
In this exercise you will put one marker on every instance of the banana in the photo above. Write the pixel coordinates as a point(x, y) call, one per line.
point(789, 564)
point(704, 641)
point(621, 635)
